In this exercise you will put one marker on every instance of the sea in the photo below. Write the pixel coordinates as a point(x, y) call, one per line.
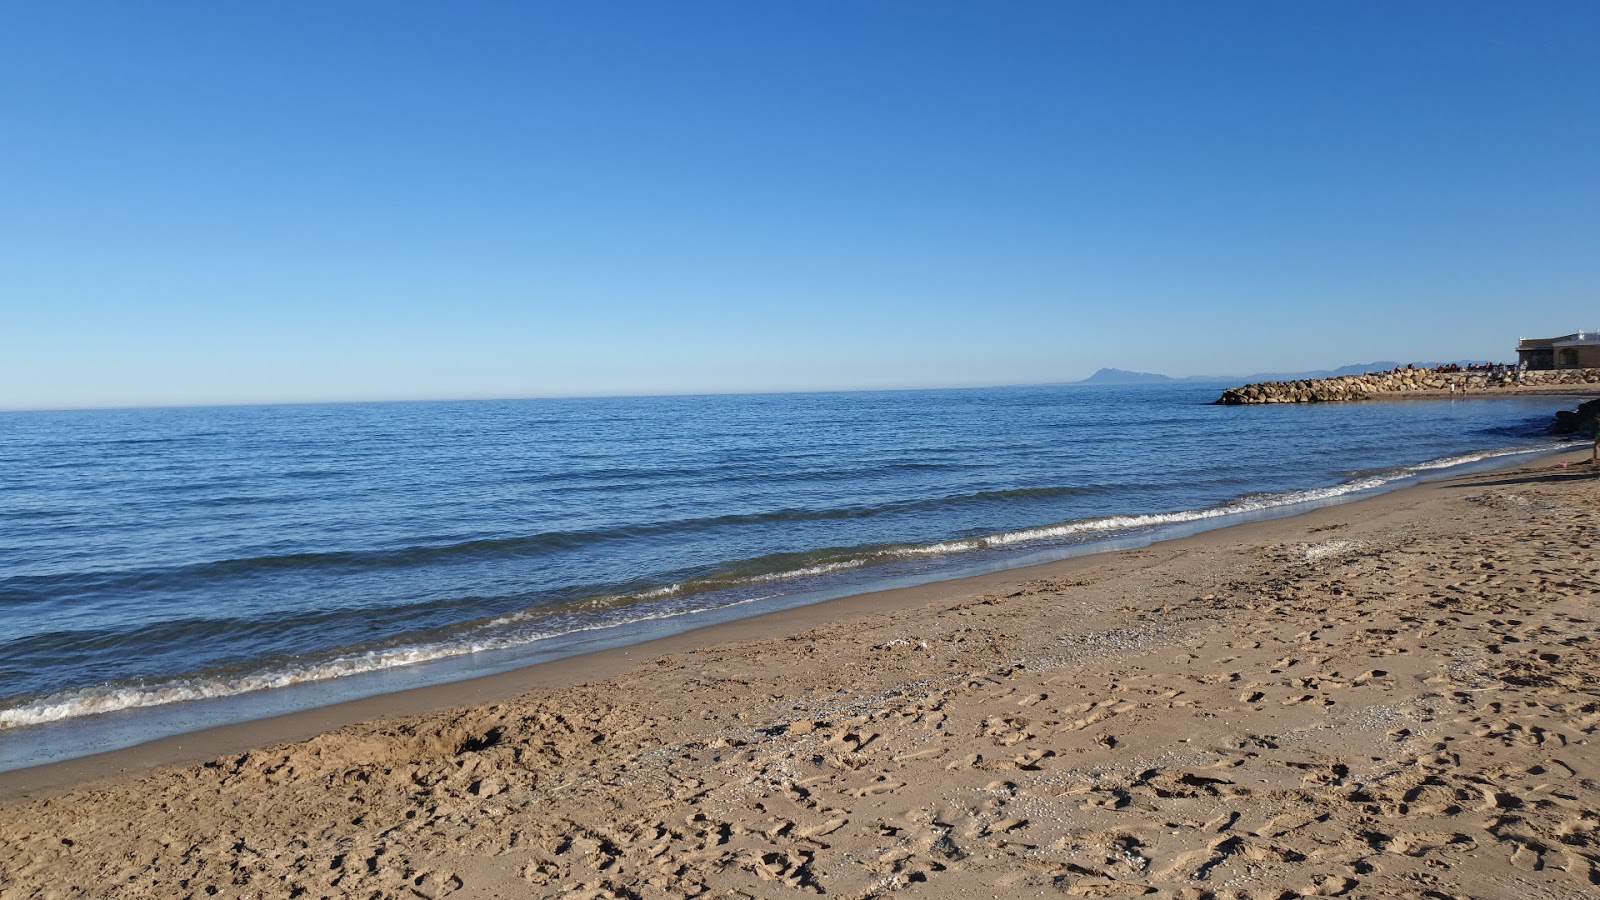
point(164, 570)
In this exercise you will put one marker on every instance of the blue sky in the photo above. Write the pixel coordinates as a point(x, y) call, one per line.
point(229, 202)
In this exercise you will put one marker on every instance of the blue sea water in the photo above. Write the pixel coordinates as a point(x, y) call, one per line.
point(182, 559)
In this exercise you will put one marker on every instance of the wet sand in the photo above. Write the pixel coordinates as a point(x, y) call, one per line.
point(1396, 697)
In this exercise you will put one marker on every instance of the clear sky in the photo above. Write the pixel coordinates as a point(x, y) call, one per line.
point(212, 202)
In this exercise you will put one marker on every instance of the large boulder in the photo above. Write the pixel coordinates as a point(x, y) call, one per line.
point(1583, 420)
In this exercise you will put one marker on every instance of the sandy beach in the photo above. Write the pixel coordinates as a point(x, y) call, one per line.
point(1391, 698)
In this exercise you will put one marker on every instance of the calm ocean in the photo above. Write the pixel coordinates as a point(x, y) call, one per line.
point(166, 569)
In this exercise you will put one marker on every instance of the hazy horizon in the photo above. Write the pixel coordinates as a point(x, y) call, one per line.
point(1200, 378)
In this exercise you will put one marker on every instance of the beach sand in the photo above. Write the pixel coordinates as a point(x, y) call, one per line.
point(1392, 698)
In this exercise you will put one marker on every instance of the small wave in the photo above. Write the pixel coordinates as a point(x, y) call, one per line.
point(31, 587)
point(1465, 459)
point(752, 572)
point(81, 702)
point(1241, 506)
point(612, 611)
point(829, 561)
point(667, 591)
point(135, 441)
point(26, 587)
point(808, 571)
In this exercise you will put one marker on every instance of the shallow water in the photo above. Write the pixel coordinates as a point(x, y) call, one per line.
point(151, 557)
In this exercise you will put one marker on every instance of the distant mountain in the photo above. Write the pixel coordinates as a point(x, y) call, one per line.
point(1122, 376)
point(1358, 369)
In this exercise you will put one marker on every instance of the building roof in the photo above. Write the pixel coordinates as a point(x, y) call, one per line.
point(1578, 339)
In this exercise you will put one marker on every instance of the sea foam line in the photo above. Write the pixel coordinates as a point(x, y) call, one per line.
point(1233, 508)
point(80, 702)
point(92, 701)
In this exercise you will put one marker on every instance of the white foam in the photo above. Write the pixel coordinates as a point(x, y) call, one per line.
point(91, 701)
point(1237, 507)
point(937, 549)
point(667, 591)
point(1474, 457)
point(1068, 529)
point(807, 572)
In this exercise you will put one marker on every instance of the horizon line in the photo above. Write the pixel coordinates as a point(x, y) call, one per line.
point(625, 395)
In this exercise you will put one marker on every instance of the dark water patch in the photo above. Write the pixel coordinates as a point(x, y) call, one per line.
point(243, 503)
point(1526, 429)
point(26, 588)
point(316, 474)
point(138, 441)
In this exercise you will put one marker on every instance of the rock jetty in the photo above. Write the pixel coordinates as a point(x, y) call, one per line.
point(1400, 381)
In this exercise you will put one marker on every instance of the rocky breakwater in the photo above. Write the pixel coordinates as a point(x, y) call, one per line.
point(1401, 381)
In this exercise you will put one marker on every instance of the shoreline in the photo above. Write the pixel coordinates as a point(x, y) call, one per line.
point(201, 744)
point(362, 662)
point(135, 724)
point(1392, 696)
